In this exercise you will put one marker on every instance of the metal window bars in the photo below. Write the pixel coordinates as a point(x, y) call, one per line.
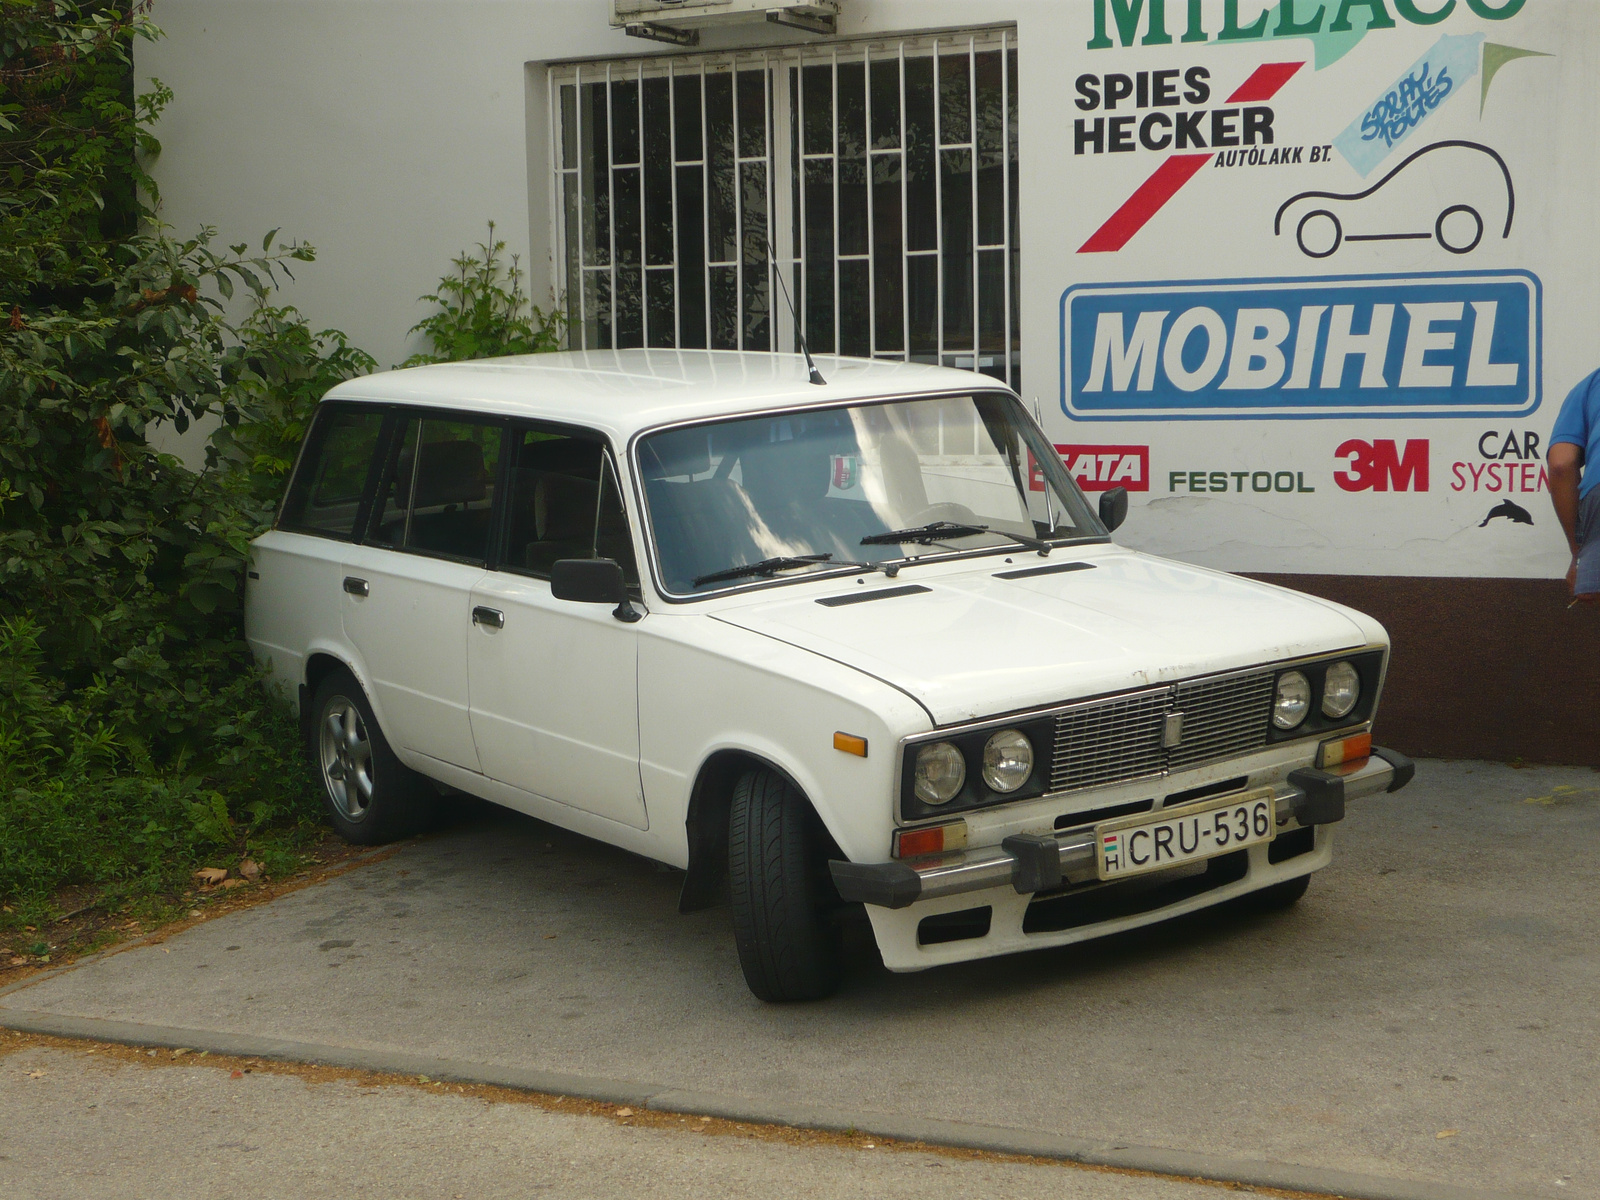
point(883, 175)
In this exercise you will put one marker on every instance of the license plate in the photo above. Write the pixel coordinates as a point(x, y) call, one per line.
point(1135, 845)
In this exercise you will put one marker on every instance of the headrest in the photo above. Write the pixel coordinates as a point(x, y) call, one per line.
point(563, 508)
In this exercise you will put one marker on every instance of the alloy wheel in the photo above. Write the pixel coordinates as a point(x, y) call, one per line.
point(346, 758)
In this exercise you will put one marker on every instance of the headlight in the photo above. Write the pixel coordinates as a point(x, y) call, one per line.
point(940, 772)
point(1341, 688)
point(1293, 701)
point(1007, 760)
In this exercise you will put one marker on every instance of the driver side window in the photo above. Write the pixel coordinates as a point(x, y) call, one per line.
point(564, 502)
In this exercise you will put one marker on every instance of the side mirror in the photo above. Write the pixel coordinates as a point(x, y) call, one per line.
point(592, 581)
point(1113, 507)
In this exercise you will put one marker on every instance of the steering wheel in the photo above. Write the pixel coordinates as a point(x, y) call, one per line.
point(956, 514)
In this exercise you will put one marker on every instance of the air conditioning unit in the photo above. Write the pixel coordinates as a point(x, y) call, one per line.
point(680, 21)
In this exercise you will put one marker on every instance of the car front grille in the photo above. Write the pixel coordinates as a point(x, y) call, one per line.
point(1120, 739)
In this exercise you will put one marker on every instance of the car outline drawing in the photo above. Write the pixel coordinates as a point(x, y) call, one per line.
point(1453, 243)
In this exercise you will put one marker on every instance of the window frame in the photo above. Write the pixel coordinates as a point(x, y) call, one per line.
point(608, 456)
point(326, 411)
point(393, 439)
point(1050, 465)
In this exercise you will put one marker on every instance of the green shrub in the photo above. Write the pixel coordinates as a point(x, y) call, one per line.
point(134, 734)
point(483, 312)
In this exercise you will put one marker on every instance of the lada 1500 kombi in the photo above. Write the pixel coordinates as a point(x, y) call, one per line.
point(862, 643)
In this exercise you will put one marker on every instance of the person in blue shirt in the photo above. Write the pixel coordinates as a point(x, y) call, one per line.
point(1574, 460)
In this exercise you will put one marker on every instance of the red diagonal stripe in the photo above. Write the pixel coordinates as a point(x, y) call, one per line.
point(1171, 175)
point(1144, 203)
point(1264, 82)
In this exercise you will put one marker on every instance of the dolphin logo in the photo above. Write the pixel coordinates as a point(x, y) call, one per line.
point(1515, 513)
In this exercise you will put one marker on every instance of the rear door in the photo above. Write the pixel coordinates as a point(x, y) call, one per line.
point(407, 590)
point(555, 684)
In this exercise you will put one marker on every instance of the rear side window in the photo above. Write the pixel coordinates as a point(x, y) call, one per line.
point(437, 491)
point(564, 503)
point(325, 496)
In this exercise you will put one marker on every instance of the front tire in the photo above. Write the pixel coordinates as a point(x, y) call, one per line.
point(784, 903)
point(370, 796)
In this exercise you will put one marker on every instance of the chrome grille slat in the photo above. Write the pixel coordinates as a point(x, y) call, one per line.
point(1119, 739)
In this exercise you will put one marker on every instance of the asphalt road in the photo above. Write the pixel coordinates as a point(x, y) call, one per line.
point(1427, 1013)
point(77, 1125)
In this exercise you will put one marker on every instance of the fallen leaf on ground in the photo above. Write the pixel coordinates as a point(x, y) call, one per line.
point(229, 884)
point(35, 1074)
point(237, 1075)
point(1446, 1133)
point(210, 876)
point(624, 1112)
point(17, 962)
point(549, 936)
point(249, 869)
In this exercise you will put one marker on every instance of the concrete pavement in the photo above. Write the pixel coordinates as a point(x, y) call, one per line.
point(1426, 1015)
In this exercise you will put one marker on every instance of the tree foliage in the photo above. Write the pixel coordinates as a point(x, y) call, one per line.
point(126, 692)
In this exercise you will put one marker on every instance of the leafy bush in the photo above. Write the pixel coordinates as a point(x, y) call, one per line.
point(134, 735)
point(483, 312)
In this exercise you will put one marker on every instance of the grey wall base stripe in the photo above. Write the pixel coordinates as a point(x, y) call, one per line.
point(998, 1139)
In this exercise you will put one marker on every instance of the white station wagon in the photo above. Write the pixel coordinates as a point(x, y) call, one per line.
point(820, 645)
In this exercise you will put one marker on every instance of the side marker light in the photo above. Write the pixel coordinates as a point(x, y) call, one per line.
point(850, 744)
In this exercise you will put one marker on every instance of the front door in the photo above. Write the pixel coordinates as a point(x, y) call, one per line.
point(555, 684)
point(408, 590)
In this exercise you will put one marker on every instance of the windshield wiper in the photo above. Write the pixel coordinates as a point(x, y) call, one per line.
point(940, 530)
point(785, 562)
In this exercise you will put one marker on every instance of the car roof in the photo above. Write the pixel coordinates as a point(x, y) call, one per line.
point(624, 391)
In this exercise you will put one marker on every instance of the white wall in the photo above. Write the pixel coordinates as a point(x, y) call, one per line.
point(388, 132)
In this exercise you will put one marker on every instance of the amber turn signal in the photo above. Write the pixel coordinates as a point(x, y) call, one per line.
point(909, 843)
point(850, 744)
point(1344, 750)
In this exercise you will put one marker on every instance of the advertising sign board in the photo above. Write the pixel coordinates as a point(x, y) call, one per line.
point(1325, 267)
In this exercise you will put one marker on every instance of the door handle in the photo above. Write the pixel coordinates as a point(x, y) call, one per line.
point(356, 587)
point(491, 617)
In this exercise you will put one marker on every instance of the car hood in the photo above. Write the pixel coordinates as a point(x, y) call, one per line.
point(975, 644)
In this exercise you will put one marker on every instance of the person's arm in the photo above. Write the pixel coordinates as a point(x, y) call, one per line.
point(1566, 468)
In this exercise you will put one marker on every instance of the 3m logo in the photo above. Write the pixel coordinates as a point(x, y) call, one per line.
point(1101, 468)
point(1380, 466)
point(1369, 346)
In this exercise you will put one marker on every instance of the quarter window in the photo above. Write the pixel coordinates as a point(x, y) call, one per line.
point(564, 503)
point(437, 492)
point(325, 496)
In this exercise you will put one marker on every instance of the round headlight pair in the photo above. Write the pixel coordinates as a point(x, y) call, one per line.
point(1341, 688)
point(941, 768)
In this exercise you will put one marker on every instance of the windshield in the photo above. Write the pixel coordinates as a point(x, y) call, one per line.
point(798, 493)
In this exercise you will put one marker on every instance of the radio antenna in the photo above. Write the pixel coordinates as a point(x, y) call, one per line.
point(799, 334)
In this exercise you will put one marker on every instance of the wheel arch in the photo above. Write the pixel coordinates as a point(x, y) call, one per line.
point(319, 665)
point(706, 821)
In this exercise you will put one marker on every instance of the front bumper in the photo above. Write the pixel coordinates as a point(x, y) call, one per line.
point(1038, 862)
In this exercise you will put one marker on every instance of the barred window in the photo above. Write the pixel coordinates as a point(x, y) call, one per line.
point(881, 176)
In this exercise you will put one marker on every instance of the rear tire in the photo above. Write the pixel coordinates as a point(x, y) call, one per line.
point(369, 795)
point(1279, 896)
point(784, 903)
